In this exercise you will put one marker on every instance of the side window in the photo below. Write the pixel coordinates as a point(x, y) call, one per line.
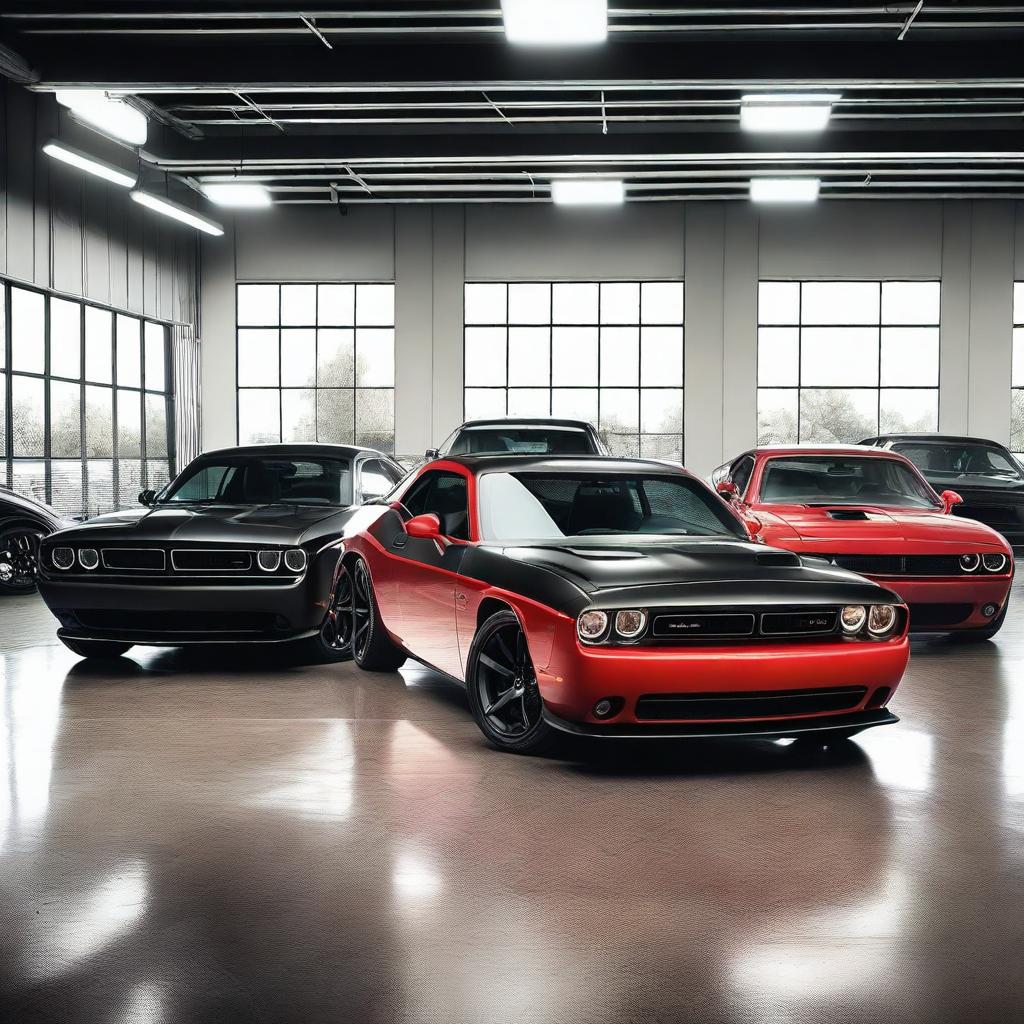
point(445, 495)
point(374, 480)
point(741, 471)
point(207, 484)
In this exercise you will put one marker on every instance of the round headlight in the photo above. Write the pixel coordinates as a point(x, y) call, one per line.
point(853, 617)
point(970, 562)
point(881, 619)
point(630, 623)
point(63, 558)
point(88, 558)
point(295, 559)
point(994, 562)
point(268, 560)
point(591, 625)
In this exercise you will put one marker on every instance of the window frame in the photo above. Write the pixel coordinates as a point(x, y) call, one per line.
point(1017, 326)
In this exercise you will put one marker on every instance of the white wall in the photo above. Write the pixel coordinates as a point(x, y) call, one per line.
point(721, 249)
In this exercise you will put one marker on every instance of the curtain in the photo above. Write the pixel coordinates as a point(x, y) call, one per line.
point(185, 359)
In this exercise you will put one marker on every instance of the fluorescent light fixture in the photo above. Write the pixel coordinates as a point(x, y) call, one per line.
point(240, 195)
point(588, 192)
point(786, 112)
point(177, 211)
point(84, 162)
point(784, 190)
point(555, 22)
point(107, 114)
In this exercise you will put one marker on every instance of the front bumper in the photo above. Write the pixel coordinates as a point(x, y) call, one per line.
point(949, 604)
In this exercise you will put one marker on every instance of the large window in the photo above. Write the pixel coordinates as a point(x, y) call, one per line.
point(316, 362)
point(85, 402)
point(610, 353)
point(844, 360)
point(1017, 372)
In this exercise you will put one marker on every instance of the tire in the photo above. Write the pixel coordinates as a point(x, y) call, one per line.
point(502, 688)
point(372, 648)
point(19, 551)
point(334, 641)
point(977, 636)
point(95, 648)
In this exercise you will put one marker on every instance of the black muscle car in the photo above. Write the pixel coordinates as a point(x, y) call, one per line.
point(518, 435)
point(23, 523)
point(242, 546)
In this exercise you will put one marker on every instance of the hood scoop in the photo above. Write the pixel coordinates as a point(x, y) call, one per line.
point(778, 558)
point(847, 515)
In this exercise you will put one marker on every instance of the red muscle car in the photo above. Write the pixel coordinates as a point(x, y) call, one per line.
point(871, 511)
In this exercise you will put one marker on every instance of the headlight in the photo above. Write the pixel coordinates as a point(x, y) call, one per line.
point(881, 619)
point(630, 623)
point(88, 558)
point(853, 617)
point(994, 563)
point(63, 558)
point(268, 560)
point(591, 625)
point(970, 562)
point(295, 559)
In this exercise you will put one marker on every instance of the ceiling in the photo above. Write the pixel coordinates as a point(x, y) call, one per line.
point(422, 101)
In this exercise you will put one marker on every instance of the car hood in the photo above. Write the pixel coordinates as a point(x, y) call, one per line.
point(14, 504)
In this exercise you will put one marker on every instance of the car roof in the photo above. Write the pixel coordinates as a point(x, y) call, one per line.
point(940, 439)
point(306, 448)
point(563, 463)
point(523, 421)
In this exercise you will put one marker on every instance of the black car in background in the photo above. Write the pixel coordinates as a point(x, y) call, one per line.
point(242, 546)
point(509, 435)
point(23, 524)
point(984, 473)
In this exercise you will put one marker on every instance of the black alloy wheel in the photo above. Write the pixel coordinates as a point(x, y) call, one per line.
point(19, 556)
point(335, 638)
point(372, 648)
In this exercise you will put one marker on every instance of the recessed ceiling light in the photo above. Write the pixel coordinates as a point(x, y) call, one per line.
point(588, 192)
point(107, 114)
point(171, 209)
point(784, 190)
point(242, 195)
point(786, 112)
point(555, 22)
point(85, 162)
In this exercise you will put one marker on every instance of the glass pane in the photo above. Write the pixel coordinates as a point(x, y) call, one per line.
point(258, 305)
point(661, 410)
point(529, 303)
point(661, 356)
point(30, 478)
point(839, 356)
point(27, 414)
point(620, 303)
point(778, 356)
point(375, 418)
point(620, 410)
point(129, 424)
point(905, 411)
point(129, 482)
point(3, 423)
point(375, 358)
point(257, 358)
point(65, 420)
point(574, 303)
point(1017, 373)
point(156, 356)
point(622, 446)
point(99, 347)
point(840, 302)
point(65, 338)
point(776, 416)
point(485, 304)
point(298, 305)
point(836, 415)
point(529, 402)
point(665, 447)
point(910, 355)
point(483, 403)
point(335, 415)
point(298, 358)
point(156, 427)
point(129, 352)
point(298, 414)
point(574, 356)
point(99, 422)
point(1017, 421)
point(158, 473)
point(620, 356)
point(661, 302)
point(529, 356)
point(259, 416)
point(575, 403)
point(28, 323)
point(910, 302)
point(336, 305)
point(66, 486)
point(99, 476)
point(1018, 302)
point(485, 356)
point(375, 305)
point(335, 358)
point(778, 302)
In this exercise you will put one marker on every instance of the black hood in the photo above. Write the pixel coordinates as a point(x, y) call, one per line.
point(20, 506)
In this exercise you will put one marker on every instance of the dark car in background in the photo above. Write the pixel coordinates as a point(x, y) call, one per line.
point(521, 436)
point(984, 473)
point(242, 546)
point(23, 524)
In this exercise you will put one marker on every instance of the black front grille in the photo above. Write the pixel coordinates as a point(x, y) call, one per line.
point(798, 623)
point(129, 621)
point(694, 626)
point(137, 559)
point(897, 565)
point(923, 616)
point(755, 704)
point(200, 560)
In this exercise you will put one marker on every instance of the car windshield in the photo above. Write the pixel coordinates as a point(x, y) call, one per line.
point(523, 440)
point(546, 506)
point(263, 480)
point(963, 464)
point(844, 480)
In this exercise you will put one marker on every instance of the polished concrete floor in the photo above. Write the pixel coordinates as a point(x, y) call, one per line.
point(194, 839)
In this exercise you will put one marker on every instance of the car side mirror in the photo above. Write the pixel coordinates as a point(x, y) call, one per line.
point(754, 528)
point(427, 526)
point(728, 491)
point(431, 453)
point(949, 499)
point(147, 497)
